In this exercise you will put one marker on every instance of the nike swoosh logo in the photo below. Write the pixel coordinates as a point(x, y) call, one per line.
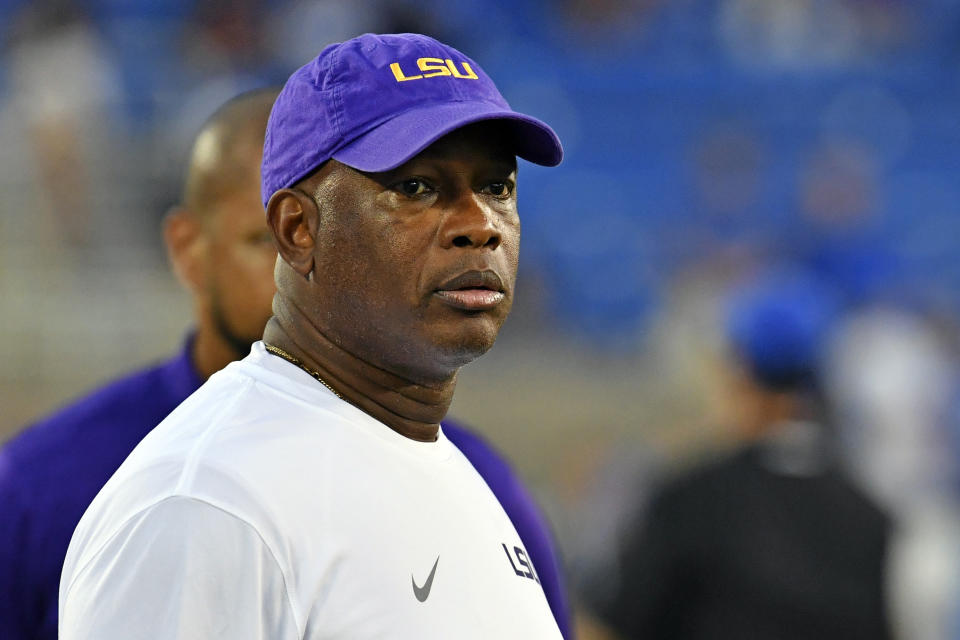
point(422, 593)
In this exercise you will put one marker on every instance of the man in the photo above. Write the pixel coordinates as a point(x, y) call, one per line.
point(50, 473)
point(308, 491)
point(773, 541)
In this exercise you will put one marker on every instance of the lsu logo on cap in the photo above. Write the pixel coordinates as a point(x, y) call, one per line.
point(433, 67)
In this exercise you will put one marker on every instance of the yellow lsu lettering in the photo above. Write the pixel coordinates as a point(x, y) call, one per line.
point(432, 67)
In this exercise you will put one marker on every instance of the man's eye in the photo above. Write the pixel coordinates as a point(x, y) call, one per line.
point(413, 187)
point(499, 189)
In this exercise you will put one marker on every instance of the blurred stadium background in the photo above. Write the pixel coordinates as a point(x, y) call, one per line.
point(706, 141)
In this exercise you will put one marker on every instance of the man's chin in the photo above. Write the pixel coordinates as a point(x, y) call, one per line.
point(464, 347)
point(239, 340)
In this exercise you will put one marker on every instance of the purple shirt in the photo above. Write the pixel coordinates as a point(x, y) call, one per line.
point(51, 472)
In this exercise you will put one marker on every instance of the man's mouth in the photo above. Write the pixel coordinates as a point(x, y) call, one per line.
point(472, 291)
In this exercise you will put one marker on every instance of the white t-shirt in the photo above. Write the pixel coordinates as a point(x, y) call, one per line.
point(264, 507)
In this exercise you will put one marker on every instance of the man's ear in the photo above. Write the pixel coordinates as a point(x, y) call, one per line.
point(292, 216)
point(184, 239)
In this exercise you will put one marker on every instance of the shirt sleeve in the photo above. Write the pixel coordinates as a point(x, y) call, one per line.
point(180, 570)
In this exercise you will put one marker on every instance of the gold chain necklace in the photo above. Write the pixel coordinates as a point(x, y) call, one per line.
point(280, 353)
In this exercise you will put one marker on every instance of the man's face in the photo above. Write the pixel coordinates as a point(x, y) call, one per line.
point(415, 267)
point(240, 259)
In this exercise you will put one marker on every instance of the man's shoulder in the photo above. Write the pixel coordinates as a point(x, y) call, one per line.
point(118, 413)
point(50, 472)
point(498, 474)
point(477, 449)
point(193, 453)
point(234, 431)
point(710, 487)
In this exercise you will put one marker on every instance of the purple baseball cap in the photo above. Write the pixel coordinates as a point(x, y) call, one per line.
point(376, 101)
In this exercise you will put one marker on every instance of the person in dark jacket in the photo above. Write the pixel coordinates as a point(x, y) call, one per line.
point(772, 541)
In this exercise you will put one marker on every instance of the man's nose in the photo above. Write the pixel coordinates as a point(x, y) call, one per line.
point(471, 223)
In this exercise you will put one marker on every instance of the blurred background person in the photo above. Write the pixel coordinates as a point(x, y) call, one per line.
point(893, 384)
point(221, 250)
point(772, 540)
point(63, 86)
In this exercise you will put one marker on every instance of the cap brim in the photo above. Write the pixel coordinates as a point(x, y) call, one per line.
point(399, 139)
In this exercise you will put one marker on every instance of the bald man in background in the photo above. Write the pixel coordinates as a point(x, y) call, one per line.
point(51, 471)
point(223, 253)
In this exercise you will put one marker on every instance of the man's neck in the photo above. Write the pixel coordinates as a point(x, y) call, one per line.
point(411, 409)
